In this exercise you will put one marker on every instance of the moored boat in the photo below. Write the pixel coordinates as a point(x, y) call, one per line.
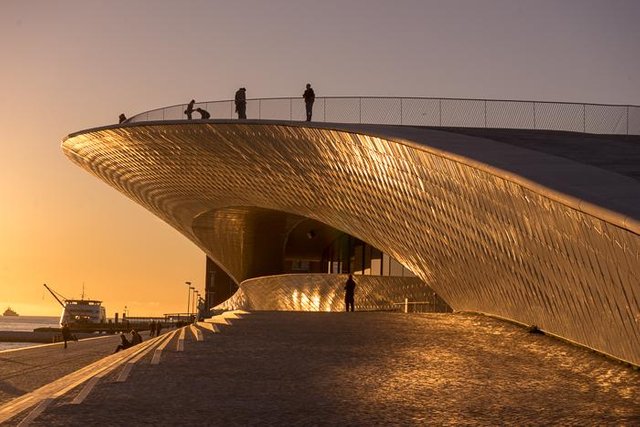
point(79, 311)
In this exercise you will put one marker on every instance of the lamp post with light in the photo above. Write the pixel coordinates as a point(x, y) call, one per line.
point(193, 291)
point(188, 298)
point(195, 303)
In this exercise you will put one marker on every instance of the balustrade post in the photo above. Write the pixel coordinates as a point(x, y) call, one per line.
point(627, 120)
point(290, 109)
point(260, 109)
point(401, 111)
point(440, 112)
point(485, 113)
point(534, 116)
point(360, 110)
point(584, 118)
point(324, 110)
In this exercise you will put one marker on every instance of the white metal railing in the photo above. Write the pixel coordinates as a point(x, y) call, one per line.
point(436, 112)
point(433, 306)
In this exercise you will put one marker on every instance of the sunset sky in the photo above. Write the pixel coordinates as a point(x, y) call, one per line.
point(72, 65)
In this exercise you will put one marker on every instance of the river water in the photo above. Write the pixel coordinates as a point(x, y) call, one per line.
point(25, 323)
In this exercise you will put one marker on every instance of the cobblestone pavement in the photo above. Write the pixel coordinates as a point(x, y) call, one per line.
point(24, 370)
point(364, 369)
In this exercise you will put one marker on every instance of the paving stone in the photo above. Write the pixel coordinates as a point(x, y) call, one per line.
point(27, 369)
point(291, 368)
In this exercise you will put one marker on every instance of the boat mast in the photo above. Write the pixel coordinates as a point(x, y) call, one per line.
point(54, 295)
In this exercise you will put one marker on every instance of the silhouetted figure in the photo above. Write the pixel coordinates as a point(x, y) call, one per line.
point(158, 328)
point(124, 343)
point(152, 328)
point(204, 114)
point(190, 109)
point(309, 97)
point(241, 103)
point(122, 118)
point(349, 292)
point(136, 338)
point(66, 334)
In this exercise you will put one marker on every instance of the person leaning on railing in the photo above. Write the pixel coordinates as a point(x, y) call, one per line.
point(204, 114)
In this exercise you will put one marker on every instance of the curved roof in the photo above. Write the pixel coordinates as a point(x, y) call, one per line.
point(491, 227)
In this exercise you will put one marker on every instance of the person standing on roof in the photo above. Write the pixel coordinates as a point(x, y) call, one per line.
point(189, 111)
point(241, 103)
point(309, 97)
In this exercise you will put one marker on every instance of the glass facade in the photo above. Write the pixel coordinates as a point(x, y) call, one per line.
point(348, 254)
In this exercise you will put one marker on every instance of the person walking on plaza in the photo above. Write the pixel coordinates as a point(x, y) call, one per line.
point(309, 96)
point(66, 333)
point(204, 114)
point(158, 328)
point(189, 111)
point(349, 293)
point(241, 103)
point(152, 328)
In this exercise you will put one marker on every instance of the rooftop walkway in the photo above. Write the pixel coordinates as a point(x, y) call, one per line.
point(616, 153)
point(293, 368)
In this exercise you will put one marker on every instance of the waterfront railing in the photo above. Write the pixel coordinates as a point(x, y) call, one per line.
point(432, 112)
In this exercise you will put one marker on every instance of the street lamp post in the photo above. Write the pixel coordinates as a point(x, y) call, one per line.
point(188, 298)
point(195, 302)
point(193, 290)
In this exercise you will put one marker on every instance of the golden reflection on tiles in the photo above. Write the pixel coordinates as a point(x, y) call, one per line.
point(325, 292)
point(481, 242)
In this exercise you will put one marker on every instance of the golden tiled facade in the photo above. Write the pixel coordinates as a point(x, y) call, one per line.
point(325, 292)
point(483, 241)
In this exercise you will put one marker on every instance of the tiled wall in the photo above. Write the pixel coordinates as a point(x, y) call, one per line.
point(325, 292)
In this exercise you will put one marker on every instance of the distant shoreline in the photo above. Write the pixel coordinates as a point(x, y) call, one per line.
point(26, 316)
